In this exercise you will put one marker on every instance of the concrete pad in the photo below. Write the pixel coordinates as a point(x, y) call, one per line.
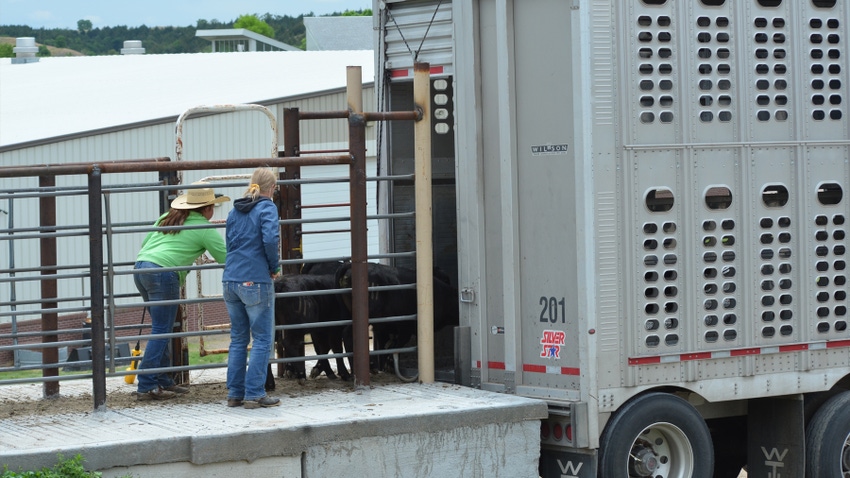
point(434, 428)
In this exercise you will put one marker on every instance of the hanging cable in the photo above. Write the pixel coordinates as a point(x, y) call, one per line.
point(416, 55)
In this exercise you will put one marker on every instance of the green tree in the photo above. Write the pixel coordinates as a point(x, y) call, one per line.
point(84, 26)
point(42, 51)
point(254, 24)
point(60, 41)
point(357, 13)
point(6, 50)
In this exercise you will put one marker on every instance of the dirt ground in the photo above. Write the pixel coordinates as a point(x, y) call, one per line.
point(123, 396)
point(206, 386)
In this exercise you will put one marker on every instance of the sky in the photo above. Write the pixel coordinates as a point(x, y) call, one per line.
point(153, 13)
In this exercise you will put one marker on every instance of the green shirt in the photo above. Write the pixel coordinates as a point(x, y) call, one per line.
point(181, 249)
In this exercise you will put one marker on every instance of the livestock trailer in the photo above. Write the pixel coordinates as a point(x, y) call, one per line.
point(645, 202)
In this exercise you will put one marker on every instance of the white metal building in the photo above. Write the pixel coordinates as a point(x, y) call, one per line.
point(84, 109)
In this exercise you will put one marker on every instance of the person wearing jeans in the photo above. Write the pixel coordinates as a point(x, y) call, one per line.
point(253, 262)
point(165, 249)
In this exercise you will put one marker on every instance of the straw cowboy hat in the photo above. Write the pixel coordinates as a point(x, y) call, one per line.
point(195, 198)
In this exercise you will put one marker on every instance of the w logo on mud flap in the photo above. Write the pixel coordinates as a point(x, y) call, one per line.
point(569, 470)
point(774, 460)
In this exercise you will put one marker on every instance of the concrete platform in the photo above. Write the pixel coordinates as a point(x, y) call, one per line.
point(404, 430)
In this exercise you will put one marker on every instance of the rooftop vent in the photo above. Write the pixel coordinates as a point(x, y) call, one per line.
point(133, 47)
point(25, 50)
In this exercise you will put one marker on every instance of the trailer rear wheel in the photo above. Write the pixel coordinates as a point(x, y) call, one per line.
point(656, 435)
point(828, 439)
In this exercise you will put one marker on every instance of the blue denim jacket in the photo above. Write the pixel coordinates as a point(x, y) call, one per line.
point(252, 236)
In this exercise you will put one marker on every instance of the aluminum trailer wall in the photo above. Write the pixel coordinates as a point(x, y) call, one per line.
point(652, 196)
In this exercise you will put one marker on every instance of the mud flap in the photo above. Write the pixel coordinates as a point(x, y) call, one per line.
point(563, 463)
point(776, 443)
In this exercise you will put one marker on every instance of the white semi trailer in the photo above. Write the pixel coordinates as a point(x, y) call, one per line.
point(648, 200)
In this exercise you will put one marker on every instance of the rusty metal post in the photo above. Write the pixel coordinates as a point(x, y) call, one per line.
point(165, 198)
point(98, 350)
point(49, 320)
point(359, 248)
point(424, 226)
point(289, 206)
point(290, 235)
point(180, 345)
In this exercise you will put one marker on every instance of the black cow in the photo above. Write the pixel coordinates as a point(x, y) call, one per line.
point(401, 302)
point(306, 310)
point(333, 337)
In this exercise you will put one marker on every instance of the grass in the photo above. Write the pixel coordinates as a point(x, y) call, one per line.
point(194, 359)
point(64, 468)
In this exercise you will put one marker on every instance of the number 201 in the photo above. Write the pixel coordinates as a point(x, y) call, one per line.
point(550, 311)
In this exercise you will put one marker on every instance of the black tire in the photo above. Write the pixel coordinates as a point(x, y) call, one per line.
point(656, 435)
point(828, 439)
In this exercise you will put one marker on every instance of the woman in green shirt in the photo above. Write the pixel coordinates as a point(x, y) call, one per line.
point(172, 248)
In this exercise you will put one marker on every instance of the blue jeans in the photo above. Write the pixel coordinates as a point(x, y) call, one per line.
point(251, 309)
point(153, 287)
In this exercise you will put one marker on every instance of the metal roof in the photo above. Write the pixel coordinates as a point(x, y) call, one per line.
point(71, 95)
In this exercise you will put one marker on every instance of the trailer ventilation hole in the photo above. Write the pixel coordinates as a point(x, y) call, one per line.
point(774, 195)
point(671, 339)
point(711, 336)
point(719, 197)
point(768, 316)
point(730, 335)
point(710, 320)
point(659, 200)
point(652, 341)
point(768, 332)
point(829, 194)
point(840, 326)
point(652, 324)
